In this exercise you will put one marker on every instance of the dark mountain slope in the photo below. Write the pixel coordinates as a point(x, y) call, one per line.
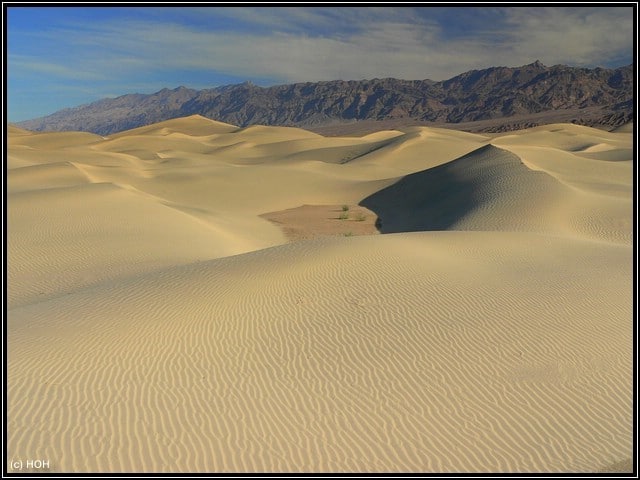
point(589, 96)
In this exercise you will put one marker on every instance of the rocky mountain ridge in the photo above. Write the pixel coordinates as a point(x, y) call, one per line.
point(595, 97)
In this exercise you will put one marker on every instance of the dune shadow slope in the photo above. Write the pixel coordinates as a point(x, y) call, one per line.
point(486, 189)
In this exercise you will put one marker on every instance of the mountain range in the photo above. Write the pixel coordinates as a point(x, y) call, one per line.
point(496, 99)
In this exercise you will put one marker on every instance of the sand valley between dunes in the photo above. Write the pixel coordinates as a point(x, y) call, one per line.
point(196, 297)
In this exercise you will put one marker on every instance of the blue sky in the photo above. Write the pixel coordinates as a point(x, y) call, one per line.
point(59, 57)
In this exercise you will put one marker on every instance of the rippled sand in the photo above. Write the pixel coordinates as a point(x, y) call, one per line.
point(189, 297)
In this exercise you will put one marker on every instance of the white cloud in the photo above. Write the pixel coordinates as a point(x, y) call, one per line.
point(381, 43)
point(576, 36)
point(34, 65)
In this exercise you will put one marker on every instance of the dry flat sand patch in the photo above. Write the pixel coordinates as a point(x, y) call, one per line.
point(311, 221)
point(160, 319)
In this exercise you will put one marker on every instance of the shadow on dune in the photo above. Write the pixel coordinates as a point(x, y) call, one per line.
point(441, 197)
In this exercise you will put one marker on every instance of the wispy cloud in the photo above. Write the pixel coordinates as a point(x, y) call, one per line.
point(281, 45)
point(578, 36)
point(35, 65)
point(379, 43)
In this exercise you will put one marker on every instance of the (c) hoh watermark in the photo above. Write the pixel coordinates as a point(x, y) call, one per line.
point(30, 464)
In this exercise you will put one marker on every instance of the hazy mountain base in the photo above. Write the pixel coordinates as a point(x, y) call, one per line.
point(590, 117)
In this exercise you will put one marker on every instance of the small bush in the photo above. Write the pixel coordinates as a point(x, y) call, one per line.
point(361, 217)
point(343, 216)
point(345, 208)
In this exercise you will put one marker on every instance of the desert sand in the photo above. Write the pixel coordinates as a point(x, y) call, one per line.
point(185, 297)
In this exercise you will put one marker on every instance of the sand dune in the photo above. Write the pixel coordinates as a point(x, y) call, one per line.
point(17, 131)
point(51, 140)
point(194, 126)
point(184, 297)
point(487, 189)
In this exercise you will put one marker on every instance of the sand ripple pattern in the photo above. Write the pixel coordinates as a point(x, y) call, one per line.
point(156, 323)
point(453, 358)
